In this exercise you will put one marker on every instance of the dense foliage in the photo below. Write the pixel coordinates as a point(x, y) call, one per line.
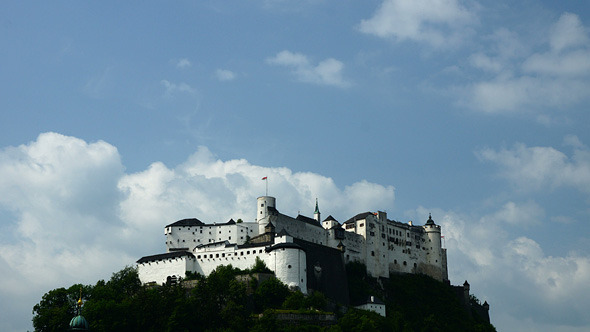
point(415, 302)
point(223, 302)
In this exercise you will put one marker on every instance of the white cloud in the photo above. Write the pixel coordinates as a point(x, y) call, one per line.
point(440, 23)
point(523, 214)
point(225, 75)
point(525, 287)
point(70, 213)
point(183, 63)
point(568, 32)
point(173, 88)
point(326, 72)
point(557, 78)
point(532, 168)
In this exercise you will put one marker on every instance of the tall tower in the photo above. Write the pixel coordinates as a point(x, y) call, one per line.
point(264, 202)
point(435, 246)
point(316, 213)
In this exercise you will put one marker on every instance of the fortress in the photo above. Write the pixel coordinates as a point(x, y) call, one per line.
point(304, 253)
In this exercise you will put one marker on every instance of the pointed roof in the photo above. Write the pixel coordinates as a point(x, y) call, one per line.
point(317, 209)
point(330, 218)
point(430, 221)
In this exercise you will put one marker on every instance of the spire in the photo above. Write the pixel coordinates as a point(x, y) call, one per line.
point(316, 213)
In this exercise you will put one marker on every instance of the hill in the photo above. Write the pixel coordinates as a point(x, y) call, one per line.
point(221, 301)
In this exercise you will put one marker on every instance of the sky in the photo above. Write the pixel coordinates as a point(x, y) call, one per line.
point(118, 118)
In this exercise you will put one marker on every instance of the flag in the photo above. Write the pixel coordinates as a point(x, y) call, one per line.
point(264, 178)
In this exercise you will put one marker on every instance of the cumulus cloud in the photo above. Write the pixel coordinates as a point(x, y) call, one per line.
point(224, 75)
point(434, 22)
point(69, 213)
point(326, 72)
point(183, 63)
point(173, 88)
point(527, 289)
point(556, 76)
point(532, 168)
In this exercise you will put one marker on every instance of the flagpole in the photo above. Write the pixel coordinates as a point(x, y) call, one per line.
point(266, 180)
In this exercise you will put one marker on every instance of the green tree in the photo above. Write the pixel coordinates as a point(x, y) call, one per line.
point(55, 310)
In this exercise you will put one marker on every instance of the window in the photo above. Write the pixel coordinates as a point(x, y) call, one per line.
point(199, 257)
point(216, 255)
point(289, 266)
point(248, 252)
point(405, 263)
point(372, 253)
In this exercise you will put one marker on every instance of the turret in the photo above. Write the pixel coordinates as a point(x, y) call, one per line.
point(262, 211)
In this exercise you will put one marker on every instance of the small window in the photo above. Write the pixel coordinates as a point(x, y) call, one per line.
point(372, 253)
point(289, 266)
point(405, 263)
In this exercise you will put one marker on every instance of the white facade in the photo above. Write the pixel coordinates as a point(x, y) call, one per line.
point(383, 245)
point(375, 305)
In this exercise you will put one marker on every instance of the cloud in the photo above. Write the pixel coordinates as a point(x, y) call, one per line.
point(439, 23)
point(173, 88)
point(526, 288)
point(69, 213)
point(326, 72)
point(533, 168)
point(554, 78)
point(225, 75)
point(183, 63)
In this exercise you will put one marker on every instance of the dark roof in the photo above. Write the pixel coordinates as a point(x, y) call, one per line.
point(187, 222)
point(272, 209)
point(282, 233)
point(330, 218)
point(212, 244)
point(359, 216)
point(284, 245)
point(308, 220)
point(168, 255)
point(430, 221)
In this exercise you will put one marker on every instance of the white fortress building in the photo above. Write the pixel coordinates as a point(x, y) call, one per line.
point(304, 253)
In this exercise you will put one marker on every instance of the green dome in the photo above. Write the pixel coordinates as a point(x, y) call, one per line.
point(79, 323)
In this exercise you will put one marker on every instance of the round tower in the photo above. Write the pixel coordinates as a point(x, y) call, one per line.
point(264, 202)
point(434, 242)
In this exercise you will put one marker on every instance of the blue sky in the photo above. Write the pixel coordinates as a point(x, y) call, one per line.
point(119, 118)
